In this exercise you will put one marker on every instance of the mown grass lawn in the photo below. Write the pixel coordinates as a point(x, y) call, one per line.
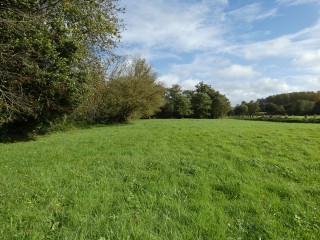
point(164, 179)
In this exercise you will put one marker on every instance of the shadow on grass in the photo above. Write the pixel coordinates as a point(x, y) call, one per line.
point(25, 133)
point(21, 131)
point(13, 136)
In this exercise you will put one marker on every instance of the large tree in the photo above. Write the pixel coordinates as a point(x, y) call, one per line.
point(220, 104)
point(253, 108)
point(177, 105)
point(45, 48)
point(273, 109)
point(316, 108)
point(201, 105)
point(241, 110)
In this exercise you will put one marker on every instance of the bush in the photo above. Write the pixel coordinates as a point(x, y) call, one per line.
point(130, 92)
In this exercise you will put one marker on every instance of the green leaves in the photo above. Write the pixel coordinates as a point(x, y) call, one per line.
point(204, 102)
point(132, 91)
point(45, 47)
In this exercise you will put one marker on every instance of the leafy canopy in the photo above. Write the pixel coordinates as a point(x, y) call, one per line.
point(45, 48)
point(132, 91)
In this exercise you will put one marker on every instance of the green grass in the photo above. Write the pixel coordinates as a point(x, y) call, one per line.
point(164, 179)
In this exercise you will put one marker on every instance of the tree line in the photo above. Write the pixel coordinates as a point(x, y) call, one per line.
point(296, 103)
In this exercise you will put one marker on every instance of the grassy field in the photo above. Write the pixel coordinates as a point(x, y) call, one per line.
point(164, 179)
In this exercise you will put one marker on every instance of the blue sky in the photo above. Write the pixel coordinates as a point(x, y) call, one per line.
point(246, 49)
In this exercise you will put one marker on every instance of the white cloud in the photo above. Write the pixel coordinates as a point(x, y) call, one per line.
point(203, 66)
point(207, 67)
point(273, 86)
point(189, 84)
point(309, 82)
point(251, 13)
point(252, 90)
point(309, 60)
point(296, 2)
point(276, 47)
point(237, 71)
point(264, 87)
point(179, 26)
point(286, 46)
point(169, 80)
point(311, 57)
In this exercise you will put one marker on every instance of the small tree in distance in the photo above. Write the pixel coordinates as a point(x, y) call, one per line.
point(253, 108)
point(241, 110)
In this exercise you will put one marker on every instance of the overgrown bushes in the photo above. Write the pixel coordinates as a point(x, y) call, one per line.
point(130, 92)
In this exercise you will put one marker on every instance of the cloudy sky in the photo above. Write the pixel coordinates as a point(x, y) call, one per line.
point(246, 49)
